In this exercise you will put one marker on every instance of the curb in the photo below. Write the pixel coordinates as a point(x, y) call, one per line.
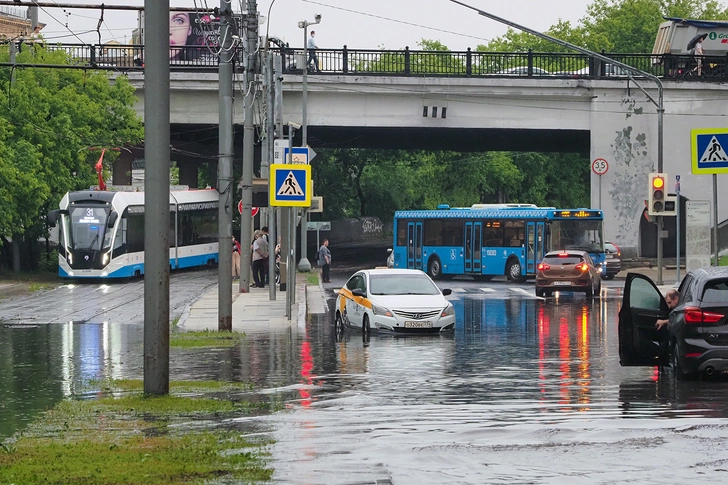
point(301, 294)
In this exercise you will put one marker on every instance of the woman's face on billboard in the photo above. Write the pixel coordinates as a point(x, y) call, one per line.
point(179, 28)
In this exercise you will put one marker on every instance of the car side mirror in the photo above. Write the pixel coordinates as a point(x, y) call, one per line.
point(358, 292)
point(446, 292)
point(389, 250)
point(112, 219)
point(52, 218)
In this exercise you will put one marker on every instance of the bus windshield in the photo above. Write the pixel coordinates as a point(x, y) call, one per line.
point(88, 226)
point(584, 235)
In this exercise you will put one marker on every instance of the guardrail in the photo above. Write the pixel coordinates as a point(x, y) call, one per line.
point(408, 62)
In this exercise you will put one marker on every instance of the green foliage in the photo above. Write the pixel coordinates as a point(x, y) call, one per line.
point(49, 117)
point(205, 338)
point(379, 182)
point(49, 261)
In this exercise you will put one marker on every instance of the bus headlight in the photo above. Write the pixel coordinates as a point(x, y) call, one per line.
point(380, 310)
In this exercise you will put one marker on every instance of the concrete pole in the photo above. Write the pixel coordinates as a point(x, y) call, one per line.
point(303, 263)
point(270, 136)
point(156, 199)
point(678, 228)
point(246, 219)
point(225, 185)
point(33, 17)
point(281, 220)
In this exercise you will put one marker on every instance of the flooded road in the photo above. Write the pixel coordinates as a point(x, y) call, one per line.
point(524, 391)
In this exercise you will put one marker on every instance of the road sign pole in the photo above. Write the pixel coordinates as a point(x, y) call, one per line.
point(715, 217)
point(659, 250)
point(677, 225)
point(600, 192)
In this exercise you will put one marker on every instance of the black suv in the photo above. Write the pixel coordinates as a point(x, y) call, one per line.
point(696, 340)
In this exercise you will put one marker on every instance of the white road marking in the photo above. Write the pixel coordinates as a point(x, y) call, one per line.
point(487, 290)
point(527, 293)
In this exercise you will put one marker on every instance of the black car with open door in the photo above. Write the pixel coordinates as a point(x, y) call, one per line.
point(696, 340)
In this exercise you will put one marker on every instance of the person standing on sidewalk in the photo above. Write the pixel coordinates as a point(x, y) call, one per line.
point(236, 259)
point(324, 261)
point(260, 255)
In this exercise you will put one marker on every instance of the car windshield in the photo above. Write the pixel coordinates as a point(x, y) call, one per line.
point(562, 259)
point(402, 284)
point(716, 292)
point(609, 247)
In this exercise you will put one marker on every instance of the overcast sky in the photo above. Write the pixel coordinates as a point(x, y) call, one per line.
point(368, 24)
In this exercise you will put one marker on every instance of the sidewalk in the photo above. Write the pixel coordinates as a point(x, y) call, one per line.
point(254, 311)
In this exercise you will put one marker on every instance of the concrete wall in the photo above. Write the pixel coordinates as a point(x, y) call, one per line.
point(620, 120)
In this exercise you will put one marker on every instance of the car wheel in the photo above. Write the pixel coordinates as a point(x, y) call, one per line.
point(338, 327)
point(590, 292)
point(513, 271)
point(677, 368)
point(366, 329)
point(434, 268)
point(539, 292)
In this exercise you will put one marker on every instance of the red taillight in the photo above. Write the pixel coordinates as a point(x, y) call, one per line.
point(543, 266)
point(696, 315)
point(582, 267)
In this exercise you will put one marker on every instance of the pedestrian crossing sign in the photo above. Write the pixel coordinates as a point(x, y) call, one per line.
point(709, 150)
point(290, 185)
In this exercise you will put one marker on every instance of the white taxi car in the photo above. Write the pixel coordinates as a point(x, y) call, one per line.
point(393, 300)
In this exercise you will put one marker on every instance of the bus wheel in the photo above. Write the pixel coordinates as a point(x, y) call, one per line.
point(434, 268)
point(513, 271)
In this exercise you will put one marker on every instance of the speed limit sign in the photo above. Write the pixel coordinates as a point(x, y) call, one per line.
point(600, 166)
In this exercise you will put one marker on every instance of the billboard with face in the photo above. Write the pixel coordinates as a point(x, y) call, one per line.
point(192, 36)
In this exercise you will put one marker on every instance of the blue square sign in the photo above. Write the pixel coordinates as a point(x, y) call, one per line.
point(709, 150)
point(290, 185)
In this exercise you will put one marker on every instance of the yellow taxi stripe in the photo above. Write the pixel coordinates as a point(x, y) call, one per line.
point(346, 293)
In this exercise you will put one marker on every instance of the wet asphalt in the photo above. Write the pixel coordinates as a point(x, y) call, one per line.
point(526, 390)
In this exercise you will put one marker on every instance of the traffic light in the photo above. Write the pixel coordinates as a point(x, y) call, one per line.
point(657, 193)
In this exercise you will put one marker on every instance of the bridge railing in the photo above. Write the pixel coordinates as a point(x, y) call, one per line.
point(408, 62)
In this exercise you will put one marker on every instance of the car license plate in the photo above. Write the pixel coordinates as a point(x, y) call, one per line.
point(610, 256)
point(426, 324)
point(562, 283)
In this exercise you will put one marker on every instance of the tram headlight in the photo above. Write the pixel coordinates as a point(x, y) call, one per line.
point(105, 259)
point(70, 257)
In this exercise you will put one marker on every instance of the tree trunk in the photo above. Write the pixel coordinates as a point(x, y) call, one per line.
point(16, 253)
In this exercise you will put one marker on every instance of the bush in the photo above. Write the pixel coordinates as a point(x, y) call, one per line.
point(48, 261)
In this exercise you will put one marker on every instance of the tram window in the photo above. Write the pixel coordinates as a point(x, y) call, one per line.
point(433, 232)
point(452, 233)
point(135, 233)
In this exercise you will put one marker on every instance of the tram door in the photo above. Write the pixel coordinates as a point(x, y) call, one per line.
point(473, 246)
point(534, 245)
point(414, 245)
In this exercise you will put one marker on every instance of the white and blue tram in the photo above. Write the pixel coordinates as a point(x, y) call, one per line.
point(101, 233)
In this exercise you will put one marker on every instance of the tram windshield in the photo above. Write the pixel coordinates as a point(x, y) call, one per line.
point(88, 229)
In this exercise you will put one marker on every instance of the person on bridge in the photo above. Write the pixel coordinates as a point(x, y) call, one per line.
point(312, 57)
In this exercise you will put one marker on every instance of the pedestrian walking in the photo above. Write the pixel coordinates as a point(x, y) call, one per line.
point(312, 56)
point(265, 236)
point(260, 255)
point(236, 259)
point(324, 261)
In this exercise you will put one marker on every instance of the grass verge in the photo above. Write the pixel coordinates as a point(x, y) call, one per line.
point(312, 279)
point(137, 440)
point(205, 338)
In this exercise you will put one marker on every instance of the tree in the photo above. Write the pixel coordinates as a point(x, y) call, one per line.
point(49, 117)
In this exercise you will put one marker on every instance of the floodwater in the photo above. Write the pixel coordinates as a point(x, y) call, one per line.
point(524, 391)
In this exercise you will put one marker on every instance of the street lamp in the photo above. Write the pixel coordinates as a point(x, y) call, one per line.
point(303, 263)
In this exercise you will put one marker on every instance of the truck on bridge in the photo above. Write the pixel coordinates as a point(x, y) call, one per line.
point(678, 36)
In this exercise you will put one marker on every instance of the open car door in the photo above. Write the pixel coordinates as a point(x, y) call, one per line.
point(642, 306)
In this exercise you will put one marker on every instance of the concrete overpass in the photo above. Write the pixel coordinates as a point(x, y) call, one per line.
point(599, 118)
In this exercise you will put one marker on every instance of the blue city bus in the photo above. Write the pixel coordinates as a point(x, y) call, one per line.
point(488, 240)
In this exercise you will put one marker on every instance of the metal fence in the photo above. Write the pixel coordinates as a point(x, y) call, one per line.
point(407, 62)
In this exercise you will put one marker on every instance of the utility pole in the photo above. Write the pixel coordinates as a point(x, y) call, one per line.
point(246, 218)
point(33, 17)
point(303, 263)
point(225, 186)
point(281, 215)
point(265, 173)
point(156, 198)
